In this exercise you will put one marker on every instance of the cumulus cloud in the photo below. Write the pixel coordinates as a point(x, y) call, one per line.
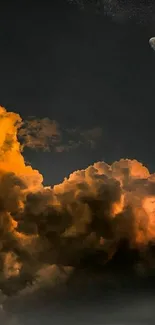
point(48, 233)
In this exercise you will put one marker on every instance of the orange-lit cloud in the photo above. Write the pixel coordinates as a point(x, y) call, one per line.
point(91, 210)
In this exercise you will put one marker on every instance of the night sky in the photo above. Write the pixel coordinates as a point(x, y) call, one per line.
point(84, 249)
point(81, 69)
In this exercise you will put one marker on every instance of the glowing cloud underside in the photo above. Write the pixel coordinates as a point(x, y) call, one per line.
point(42, 226)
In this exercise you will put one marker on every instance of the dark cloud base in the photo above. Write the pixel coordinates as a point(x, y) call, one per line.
point(108, 295)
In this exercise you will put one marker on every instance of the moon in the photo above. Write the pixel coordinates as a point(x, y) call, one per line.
point(152, 42)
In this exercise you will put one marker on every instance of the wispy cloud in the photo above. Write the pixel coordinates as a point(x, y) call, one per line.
point(47, 135)
point(40, 133)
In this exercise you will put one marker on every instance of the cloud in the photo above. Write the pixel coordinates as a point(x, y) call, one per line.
point(47, 135)
point(78, 137)
point(40, 133)
point(99, 220)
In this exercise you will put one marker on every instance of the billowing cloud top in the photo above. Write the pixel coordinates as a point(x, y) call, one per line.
point(46, 233)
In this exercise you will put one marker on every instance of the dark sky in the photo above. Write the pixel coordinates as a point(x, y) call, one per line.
point(81, 69)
